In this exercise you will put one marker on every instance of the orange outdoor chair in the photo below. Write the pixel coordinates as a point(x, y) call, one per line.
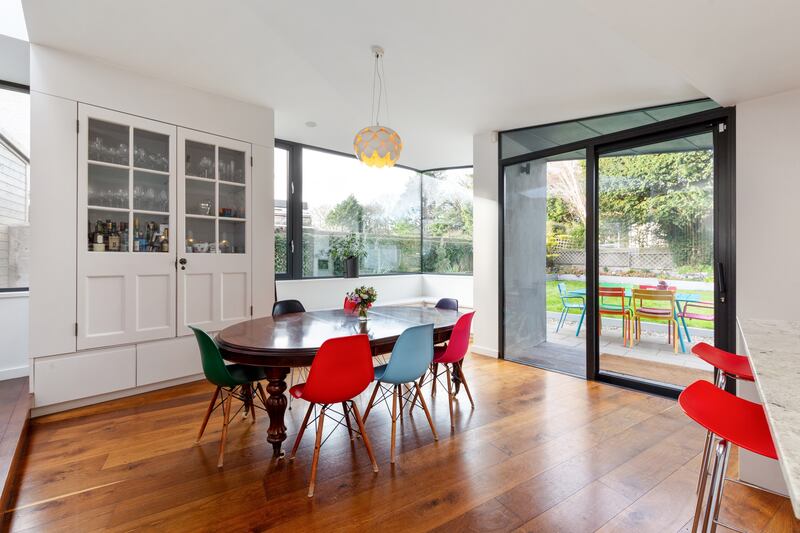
point(641, 309)
point(608, 306)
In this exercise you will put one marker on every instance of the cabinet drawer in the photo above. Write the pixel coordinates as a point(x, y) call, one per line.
point(169, 359)
point(63, 378)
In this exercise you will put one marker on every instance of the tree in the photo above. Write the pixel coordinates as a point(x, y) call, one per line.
point(347, 215)
point(674, 191)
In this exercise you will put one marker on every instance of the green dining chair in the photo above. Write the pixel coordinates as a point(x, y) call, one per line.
point(232, 381)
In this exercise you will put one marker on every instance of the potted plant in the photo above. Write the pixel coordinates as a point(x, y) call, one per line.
point(348, 251)
point(362, 298)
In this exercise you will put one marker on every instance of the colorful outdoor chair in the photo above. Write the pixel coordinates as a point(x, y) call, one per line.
point(688, 311)
point(232, 381)
point(411, 356)
point(643, 308)
point(613, 303)
point(342, 369)
point(567, 304)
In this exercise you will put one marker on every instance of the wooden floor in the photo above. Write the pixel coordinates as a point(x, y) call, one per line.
point(653, 370)
point(541, 452)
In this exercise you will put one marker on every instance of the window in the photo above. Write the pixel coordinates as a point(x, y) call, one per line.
point(281, 210)
point(345, 200)
point(14, 187)
point(447, 221)
point(402, 220)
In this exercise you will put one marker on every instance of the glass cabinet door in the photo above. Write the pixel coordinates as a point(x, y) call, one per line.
point(214, 205)
point(126, 281)
point(215, 199)
point(128, 191)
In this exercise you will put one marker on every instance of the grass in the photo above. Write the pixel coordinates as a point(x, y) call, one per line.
point(554, 300)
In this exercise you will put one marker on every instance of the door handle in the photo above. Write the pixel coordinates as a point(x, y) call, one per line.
point(721, 282)
point(182, 262)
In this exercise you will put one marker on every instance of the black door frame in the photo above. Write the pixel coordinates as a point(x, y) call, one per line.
point(721, 122)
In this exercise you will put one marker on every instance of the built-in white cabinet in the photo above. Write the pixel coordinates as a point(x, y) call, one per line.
point(214, 258)
point(126, 285)
point(164, 232)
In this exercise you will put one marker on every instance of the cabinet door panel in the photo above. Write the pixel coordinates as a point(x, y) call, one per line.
point(199, 299)
point(105, 305)
point(126, 222)
point(154, 305)
point(214, 231)
point(235, 291)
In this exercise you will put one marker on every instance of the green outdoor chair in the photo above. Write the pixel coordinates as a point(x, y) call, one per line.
point(232, 381)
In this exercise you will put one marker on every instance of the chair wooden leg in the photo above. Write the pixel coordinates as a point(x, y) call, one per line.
point(226, 411)
point(435, 378)
point(208, 413)
point(245, 401)
point(418, 391)
point(364, 437)
point(450, 397)
point(317, 445)
point(395, 392)
point(300, 433)
point(427, 413)
point(464, 382)
point(371, 399)
point(347, 420)
point(675, 337)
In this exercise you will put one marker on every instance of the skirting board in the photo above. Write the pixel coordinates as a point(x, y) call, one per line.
point(491, 352)
point(83, 402)
point(15, 372)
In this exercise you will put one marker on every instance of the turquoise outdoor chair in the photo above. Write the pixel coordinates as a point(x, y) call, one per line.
point(567, 304)
point(232, 381)
point(411, 357)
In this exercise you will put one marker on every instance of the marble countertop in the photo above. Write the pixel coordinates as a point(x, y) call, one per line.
point(774, 350)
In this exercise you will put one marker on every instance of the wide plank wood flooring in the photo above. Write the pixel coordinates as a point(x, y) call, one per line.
point(541, 451)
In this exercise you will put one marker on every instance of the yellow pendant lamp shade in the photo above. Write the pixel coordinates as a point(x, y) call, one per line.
point(377, 146)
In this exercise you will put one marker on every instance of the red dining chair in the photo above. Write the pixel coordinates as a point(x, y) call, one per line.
point(341, 370)
point(451, 355)
point(349, 306)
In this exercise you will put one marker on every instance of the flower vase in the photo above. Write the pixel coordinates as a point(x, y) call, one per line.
point(362, 313)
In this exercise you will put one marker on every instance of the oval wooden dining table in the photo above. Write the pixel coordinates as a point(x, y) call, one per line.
point(292, 340)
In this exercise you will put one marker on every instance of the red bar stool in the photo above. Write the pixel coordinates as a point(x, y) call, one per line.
point(730, 365)
point(734, 421)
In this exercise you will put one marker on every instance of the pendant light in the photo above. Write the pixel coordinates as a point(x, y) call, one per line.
point(376, 145)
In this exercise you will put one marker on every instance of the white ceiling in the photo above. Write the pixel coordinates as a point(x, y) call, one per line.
point(454, 67)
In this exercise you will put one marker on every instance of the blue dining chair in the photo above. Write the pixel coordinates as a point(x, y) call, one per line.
point(411, 357)
point(567, 304)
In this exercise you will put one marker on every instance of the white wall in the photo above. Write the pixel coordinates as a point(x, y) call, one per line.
point(484, 243)
point(767, 196)
point(402, 289)
point(435, 286)
point(14, 65)
point(14, 323)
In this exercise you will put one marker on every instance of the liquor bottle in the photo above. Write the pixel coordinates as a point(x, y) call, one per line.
point(165, 240)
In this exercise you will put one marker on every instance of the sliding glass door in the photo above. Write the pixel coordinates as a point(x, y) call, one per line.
point(617, 251)
point(545, 262)
point(655, 240)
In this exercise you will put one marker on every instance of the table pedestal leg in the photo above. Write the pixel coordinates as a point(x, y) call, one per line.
point(276, 407)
